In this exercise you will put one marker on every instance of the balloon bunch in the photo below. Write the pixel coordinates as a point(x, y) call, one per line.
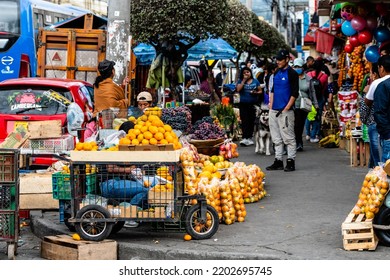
point(361, 26)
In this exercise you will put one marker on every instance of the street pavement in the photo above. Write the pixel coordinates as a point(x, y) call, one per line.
point(299, 219)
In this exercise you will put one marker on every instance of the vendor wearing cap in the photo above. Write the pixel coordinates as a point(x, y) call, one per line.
point(144, 100)
point(106, 92)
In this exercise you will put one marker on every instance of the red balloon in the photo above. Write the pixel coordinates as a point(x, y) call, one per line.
point(358, 23)
point(365, 37)
point(348, 48)
point(354, 41)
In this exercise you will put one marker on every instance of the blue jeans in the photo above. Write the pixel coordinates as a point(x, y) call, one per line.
point(317, 122)
point(374, 146)
point(312, 127)
point(385, 150)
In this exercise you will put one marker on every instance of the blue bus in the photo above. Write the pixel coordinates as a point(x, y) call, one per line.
point(19, 24)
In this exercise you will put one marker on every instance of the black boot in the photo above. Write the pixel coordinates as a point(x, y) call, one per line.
point(277, 165)
point(290, 166)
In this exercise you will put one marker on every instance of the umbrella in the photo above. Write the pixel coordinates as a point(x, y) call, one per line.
point(210, 49)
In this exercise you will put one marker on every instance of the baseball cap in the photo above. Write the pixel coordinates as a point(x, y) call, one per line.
point(106, 66)
point(144, 96)
point(282, 54)
point(298, 62)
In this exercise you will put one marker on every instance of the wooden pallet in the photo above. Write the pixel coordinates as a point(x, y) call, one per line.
point(63, 247)
point(358, 233)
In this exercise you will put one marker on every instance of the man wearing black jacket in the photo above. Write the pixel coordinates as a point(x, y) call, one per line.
point(382, 106)
point(281, 117)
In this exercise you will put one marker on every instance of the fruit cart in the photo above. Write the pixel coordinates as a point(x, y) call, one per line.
point(9, 199)
point(108, 189)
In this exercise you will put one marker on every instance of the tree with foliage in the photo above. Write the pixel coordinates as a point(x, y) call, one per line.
point(172, 27)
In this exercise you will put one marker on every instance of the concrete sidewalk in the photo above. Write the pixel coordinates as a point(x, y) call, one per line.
point(299, 219)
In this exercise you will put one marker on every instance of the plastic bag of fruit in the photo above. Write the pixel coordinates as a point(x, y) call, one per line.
point(372, 193)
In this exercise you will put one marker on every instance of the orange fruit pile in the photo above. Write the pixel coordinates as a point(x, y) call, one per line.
point(150, 130)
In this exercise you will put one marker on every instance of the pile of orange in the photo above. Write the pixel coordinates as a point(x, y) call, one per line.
point(150, 130)
point(86, 146)
point(357, 68)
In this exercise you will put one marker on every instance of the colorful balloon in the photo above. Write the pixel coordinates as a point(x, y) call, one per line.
point(365, 37)
point(354, 41)
point(358, 23)
point(347, 28)
point(372, 53)
point(348, 48)
point(381, 34)
point(348, 12)
point(372, 22)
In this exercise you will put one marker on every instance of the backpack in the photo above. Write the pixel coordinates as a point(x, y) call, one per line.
point(316, 84)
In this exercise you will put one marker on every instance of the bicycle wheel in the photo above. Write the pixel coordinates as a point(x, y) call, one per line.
point(91, 230)
point(199, 229)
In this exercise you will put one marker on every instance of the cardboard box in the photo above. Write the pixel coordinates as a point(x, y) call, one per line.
point(122, 211)
point(386, 167)
point(45, 129)
point(168, 147)
point(159, 198)
point(159, 212)
point(15, 139)
point(146, 214)
point(63, 247)
point(36, 191)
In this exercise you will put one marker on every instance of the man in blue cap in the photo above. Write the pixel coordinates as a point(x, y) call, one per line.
point(281, 120)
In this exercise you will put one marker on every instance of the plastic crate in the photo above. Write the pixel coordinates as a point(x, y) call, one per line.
point(7, 197)
point(61, 185)
point(7, 225)
point(65, 143)
point(7, 167)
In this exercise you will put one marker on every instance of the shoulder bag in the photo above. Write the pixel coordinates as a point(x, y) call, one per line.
point(305, 103)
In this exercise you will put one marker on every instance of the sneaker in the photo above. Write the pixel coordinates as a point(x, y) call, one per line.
point(277, 165)
point(307, 137)
point(290, 166)
point(249, 142)
point(315, 140)
point(131, 224)
point(300, 148)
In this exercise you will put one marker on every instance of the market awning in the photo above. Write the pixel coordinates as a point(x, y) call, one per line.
point(255, 40)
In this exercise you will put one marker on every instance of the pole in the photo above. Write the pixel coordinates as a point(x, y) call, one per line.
point(118, 33)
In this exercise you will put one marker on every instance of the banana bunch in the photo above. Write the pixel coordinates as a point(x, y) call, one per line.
point(330, 141)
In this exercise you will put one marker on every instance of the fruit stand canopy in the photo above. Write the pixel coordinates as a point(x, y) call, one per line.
point(210, 49)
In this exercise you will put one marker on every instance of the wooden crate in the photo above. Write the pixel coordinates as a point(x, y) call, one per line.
point(358, 233)
point(63, 247)
point(360, 152)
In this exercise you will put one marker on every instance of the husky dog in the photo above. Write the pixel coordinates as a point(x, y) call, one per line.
point(262, 132)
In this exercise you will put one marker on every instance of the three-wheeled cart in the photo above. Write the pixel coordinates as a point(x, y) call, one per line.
point(110, 188)
point(9, 199)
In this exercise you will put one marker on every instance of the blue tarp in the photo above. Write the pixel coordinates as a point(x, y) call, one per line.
point(211, 49)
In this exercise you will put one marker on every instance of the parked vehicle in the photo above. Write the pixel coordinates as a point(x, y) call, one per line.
point(19, 22)
point(38, 99)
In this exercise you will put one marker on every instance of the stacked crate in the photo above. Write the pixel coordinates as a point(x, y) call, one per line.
point(9, 199)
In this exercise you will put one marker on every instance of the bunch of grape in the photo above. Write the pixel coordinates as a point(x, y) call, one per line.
point(206, 130)
point(178, 118)
point(206, 119)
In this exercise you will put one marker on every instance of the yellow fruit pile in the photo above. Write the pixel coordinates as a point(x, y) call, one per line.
point(163, 188)
point(150, 130)
point(156, 111)
point(374, 189)
point(357, 69)
point(163, 172)
point(86, 146)
point(250, 179)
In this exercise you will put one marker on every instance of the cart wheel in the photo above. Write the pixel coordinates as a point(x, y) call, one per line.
point(117, 227)
point(383, 218)
point(198, 229)
point(11, 251)
point(93, 231)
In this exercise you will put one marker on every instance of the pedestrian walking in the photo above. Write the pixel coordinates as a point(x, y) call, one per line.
point(281, 121)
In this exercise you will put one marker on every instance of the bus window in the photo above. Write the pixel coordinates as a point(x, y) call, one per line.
point(9, 17)
point(48, 20)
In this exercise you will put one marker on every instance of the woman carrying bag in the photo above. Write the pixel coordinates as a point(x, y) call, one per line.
point(303, 103)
